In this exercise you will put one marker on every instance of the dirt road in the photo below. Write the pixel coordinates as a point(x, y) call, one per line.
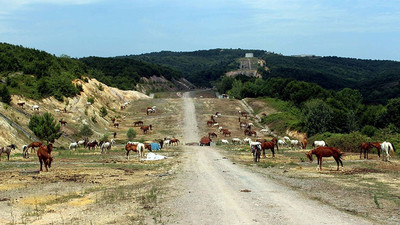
point(213, 190)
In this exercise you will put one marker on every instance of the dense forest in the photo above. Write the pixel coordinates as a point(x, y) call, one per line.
point(125, 73)
point(377, 80)
point(202, 67)
point(37, 74)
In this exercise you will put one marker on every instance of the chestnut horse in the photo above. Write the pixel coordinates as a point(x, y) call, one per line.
point(92, 144)
point(172, 141)
point(146, 128)
point(21, 104)
point(377, 145)
point(44, 154)
point(116, 125)
point(62, 122)
point(132, 147)
point(270, 145)
point(326, 152)
point(212, 134)
point(34, 145)
point(304, 143)
point(138, 123)
point(226, 133)
point(365, 147)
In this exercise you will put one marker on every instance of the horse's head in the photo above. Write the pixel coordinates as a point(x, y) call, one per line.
point(50, 147)
point(309, 156)
point(12, 146)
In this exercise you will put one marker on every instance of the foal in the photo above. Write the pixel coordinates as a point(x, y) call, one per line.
point(326, 152)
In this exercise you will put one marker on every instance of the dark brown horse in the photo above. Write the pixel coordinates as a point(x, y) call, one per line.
point(172, 141)
point(116, 125)
point(326, 152)
point(226, 133)
point(92, 144)
point(21, 104)
point(113, 120)
point(210, 123)
point(270, 145)
point(115, 134)
point(44, 154)
point(212, 134)
point(138, 123)
point(62, 122)
point(365, 148)
point(146, 128)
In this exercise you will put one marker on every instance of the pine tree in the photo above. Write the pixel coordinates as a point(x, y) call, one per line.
point(45, 127)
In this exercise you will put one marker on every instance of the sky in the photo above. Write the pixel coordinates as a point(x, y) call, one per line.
point(367, 29)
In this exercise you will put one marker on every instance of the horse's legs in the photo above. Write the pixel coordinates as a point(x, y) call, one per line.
point(41, 164)
point(320, 164)
point(8, 156)
point(127, 154)
point(273, 152)
point(263, 153)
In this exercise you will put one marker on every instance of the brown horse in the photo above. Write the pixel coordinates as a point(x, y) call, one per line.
point(304, 143)
point(62, 122)
point(44, 154)
point(326, 152)
point(138, 123)
point(252, 133)
point(365, 147)
point(92, 144)
point(377, 145)
point(116, 125)
point(113, 120)
point(223, 130)
point(226, 133)
point(21, 104)
point(172, 141)
point(146, 128)
point(269, 145)
point(34, 145)
point(132, 147)
point(115, 134)
point(210, 123)
point(212, 134)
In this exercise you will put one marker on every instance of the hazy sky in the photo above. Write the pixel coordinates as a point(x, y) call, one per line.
point(368, 29)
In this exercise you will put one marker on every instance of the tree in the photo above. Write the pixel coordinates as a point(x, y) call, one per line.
point(317, 116)
point(131, 134)
point(45, 127)
point(103, 111)
point(5, 95)
point(85, 131)
point(393, 111)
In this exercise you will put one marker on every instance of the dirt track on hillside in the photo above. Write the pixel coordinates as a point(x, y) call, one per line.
point(213, 190)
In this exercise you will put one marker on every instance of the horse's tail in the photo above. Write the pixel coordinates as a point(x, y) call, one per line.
point(393, 147)
point(326, 144)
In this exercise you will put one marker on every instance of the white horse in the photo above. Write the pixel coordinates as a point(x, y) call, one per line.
point(287, 139)
point(236, 140)
point(35, 107)
point(247, 140)
point(386, 147)
point(166, 142)
point(25, 151)
point(295, 144)
point(73, 145)
point(225, 141)
point(317, 144)
point(107, 145)
point(140, 149)
point(81, 142)
point(282, 142)
point(133, 142)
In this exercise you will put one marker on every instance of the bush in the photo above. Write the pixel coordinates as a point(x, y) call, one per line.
point(131, 134)
point(368, 130)
point(90, 99)
point(103, 111)
point(85, 131)
point(345, 142)
point(105, 137)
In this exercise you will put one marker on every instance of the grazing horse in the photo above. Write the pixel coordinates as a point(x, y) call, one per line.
point(150, 110)
point(210, 123)
point(116, 125)
point(236, 140)
point(73, 145)
point(138, 123)
point(270, 145)
point(326, 152)
point(316, 144)
point(304, 143)
point(92, 144)
point(83, 142)
point(223, 130)
point(146, 128)
point(113, 120)
point(7, 150)
point(21, 104)
point(226, 133)
point(35, 107)
point(386, 147)
point(377, 145)
point(256, 148)
point(34, 145)
point(107, 145)
point(212, 134)
point(205, 141)
point(172, 141)
point(365, 147)
point(44, 155)
point(132, 147)
point(295, 144)
point(243, 125)
point(62, 122)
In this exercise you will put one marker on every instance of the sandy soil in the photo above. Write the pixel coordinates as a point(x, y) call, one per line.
point(213, 190)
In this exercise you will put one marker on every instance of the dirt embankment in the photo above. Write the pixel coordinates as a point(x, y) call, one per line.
point(78, 111)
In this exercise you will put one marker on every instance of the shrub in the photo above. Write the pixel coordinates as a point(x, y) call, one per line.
point(131, 134)
point(368, 130)
point(103, 111)
point(90, 99)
